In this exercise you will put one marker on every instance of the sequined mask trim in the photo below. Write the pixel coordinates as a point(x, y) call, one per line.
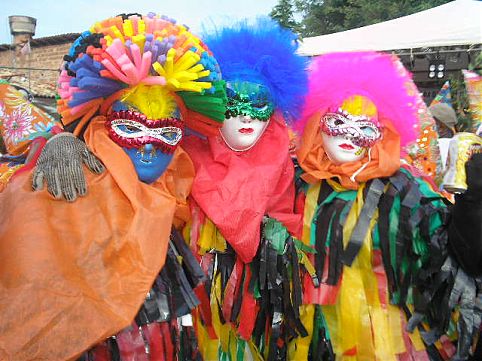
point(133, 130)
point(243, 104)
point(361, 130)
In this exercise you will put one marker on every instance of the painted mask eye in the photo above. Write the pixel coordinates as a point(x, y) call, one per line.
point(368, 131)
point(130, 129)
point(260, 106)
point(127, 129)
point(335, 121)
point(170, 136)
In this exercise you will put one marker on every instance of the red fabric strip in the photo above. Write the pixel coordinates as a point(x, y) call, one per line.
point(249, 309)
point(230, 291)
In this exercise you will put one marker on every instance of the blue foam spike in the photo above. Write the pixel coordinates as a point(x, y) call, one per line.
point(81, 98)
point(97, 66)
point(155, 52)
point(147, 46)
point(84, 72)
point(102, 85)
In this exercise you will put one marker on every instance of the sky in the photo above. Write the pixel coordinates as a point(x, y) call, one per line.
point(74, 16)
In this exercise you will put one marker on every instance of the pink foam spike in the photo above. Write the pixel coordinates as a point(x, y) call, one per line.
point(132, 74)
point(136, 55)
point(116, 72)
point(116, 49)
point(154, 80)
point(63, 93)
point(123, 60)
point(146, 64)
point(149, 25)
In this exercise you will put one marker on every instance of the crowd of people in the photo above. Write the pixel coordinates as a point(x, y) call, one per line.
point(238, 202)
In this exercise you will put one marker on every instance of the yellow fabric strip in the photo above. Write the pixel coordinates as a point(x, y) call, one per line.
point(360, 326)
point(210, 238)
point(336, 186)
point(299, 347)
point(207, 347)
point(309, 211)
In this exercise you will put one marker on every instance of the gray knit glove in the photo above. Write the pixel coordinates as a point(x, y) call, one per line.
point(60, 163)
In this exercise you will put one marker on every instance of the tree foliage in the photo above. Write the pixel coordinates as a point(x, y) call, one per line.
point(283, 13)
point(317, 17)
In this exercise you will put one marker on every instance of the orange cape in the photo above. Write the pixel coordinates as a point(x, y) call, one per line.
point(385, 157)
point(73, 274)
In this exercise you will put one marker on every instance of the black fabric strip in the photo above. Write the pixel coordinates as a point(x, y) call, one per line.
point(322, 224)
point(255, 264)
point(194, 271)
point(293, 320)
point(275, 334)
point(263, 267)
point(226, 263)
point(399, 181)
point(386, 203)
point(336, 244)
point(272, 267)
point(325, 191)
point(113, 349)
point(361, 228)
point(323, 219)
point(297, 290)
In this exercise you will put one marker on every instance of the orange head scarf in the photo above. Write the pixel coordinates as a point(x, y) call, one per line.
point(384, 155)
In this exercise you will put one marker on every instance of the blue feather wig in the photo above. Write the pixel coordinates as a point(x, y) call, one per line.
point(263, 53)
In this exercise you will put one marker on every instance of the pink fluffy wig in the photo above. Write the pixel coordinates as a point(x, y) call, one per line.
point(380, 77)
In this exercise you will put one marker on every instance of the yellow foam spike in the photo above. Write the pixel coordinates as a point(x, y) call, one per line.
point(127, 28)
point(139, 40)
point(115, 33)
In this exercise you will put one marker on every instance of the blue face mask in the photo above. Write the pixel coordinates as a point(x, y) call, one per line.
point(150, 159)
point(149, 162)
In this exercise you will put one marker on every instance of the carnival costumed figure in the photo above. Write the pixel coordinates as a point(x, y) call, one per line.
point(379, 232)
point(75, 273)
point(243, 199)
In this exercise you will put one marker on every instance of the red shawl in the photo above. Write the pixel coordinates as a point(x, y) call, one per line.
point(236, 189)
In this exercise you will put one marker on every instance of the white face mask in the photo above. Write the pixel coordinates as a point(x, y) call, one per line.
point(341, 149)
point(242, 132)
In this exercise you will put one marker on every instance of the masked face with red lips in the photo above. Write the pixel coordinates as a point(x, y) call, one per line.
point(149, 140)
point(347, 133)
point(248, 113)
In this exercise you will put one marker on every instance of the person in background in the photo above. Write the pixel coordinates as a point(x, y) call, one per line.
point(465, 242)
point(445, 118)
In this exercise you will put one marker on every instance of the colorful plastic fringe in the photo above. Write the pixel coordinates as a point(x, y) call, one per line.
point(380, 249)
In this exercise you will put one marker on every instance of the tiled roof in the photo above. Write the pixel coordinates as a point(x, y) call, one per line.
point(38, 88)
point(48, 40)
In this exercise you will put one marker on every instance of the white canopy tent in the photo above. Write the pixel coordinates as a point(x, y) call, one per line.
point(456, 23)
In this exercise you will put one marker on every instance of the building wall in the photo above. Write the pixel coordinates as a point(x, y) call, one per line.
point(43, 61)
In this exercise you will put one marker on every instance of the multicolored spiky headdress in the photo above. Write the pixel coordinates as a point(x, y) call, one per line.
point(129, 53)
point(263, 53)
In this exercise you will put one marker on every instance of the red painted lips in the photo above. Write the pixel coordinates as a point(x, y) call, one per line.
point(346, 146)
point(246, 130)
